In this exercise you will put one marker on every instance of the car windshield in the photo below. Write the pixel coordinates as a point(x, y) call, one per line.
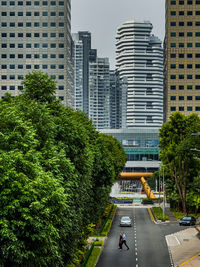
point(187, 218)
point(125, 219)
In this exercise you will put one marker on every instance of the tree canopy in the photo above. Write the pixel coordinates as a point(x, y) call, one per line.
point(56, 173)
point(177, 142)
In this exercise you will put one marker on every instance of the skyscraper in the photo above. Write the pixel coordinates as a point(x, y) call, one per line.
point(139, 57)
point(36, 35)
point(182, 57)
point(99, 93)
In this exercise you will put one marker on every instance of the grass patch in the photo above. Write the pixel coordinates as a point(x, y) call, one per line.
point(158, 212)
point(93, 257)
point(180, 215)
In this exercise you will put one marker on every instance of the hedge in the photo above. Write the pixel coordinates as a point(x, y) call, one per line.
point(93, 257)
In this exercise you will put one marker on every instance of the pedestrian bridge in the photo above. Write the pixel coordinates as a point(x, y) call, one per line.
point(142, 176)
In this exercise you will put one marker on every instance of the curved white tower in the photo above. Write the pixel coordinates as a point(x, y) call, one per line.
point(139, 57)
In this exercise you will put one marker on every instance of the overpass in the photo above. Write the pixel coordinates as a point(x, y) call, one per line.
point(139, 176)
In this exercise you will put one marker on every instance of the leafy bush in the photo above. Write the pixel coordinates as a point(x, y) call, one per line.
point(93, 257)
point(98, 243)
point(147, 201)
point(158, 212)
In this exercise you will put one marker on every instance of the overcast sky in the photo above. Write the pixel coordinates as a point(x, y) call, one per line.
point(103, 17)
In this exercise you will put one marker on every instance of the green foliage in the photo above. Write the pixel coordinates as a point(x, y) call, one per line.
point(98, 243)
point(158, 212)
point(147, 201)
point(56, 172)
point(93, 257)
point(180, 165)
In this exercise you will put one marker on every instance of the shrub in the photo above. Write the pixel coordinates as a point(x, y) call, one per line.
point(158, 212)
point(98, 243)
point(147, 201)
point(93, 257)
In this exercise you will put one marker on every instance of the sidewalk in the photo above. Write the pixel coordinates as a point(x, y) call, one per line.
point(185, 247)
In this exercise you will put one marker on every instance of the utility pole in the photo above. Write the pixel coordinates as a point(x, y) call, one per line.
point(159, 186)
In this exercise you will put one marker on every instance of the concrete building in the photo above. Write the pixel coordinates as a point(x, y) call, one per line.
point(36, 35)
point(118, 100)
point(99, 93)
point(182, 57)
point(139, 57)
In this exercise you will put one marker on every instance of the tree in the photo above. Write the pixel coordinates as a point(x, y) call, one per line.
point(39, 86)
point(176, 142)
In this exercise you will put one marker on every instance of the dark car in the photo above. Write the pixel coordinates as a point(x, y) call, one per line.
point(187, 221)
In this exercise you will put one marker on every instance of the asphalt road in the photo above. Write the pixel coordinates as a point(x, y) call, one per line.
point(146, 240)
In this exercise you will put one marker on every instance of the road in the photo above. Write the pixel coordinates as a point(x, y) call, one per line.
point(146, 240)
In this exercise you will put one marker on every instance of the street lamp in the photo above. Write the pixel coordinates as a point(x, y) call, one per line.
point(163, 193)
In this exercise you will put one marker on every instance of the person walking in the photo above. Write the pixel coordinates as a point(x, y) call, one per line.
point(120, 240)
point(124, 240)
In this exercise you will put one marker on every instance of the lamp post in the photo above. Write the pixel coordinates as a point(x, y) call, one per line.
point(163, 193)
point(159, 186)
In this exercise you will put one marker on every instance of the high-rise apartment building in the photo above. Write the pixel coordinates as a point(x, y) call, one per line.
point(99, 93)
point(182, 57)
point(118, 99)
point(36, 35)
point(139, 58)
point(83, 56)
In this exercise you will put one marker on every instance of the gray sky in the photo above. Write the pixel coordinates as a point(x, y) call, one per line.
point(103, 17)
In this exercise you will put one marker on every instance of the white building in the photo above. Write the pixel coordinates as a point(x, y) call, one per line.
point(99, 93)
point(139, 57)
point(36, 35)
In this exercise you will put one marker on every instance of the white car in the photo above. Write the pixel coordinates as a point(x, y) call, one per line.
point(125, 221)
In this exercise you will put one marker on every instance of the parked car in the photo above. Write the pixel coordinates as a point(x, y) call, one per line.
point(125, 221)
point(187, 221)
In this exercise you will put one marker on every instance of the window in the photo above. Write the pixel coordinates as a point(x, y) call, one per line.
point(189, 23)
point(189, 55)
point(28, 3)
point(4, 3)
point(12, 55)
point(36, 34)
point(12, 67)
point(28, 24)
point(173, 109)
point(12, 45)
point(45, 14)
point(53, 56)
point(3, 45)
point(3, 14)
point(189, 76)
point(173, 98)
point(61, 34)
point(36, 24)
point(45, 34)
point(181, 55)
point(20, 24)
point(53, 45)
point(20, 14)
point(181, 108)
point(12, 34)
point(197, 45)
point(36, 3)
point(53, 14)
point(181, 98)
point(44, 24)
point(181, 13)
point(197, 66)
point(12, 87)
point(197, 55)
point(173, 2)
point(173, 66)
point(197, 108)
point(53, 66)
point(197, 34)
point(61, 24)
point(44, 66)
point(53, 3)
point(181, 23)
point(197, 23)
point(53, 34)
point(53, 24)
point(61, 77)
point(181, 45)
point(20, 87)
point(4, 77)
point(28, 55)
point(61, 3)
point(45, 45)
point(3, 56)
point(28, 45)
point(197, 2)
point(181, 76)
point(189, 34)
point(28, 67)
point(3, 24)
point(4, 34)
point(3, 87)
point(20, 3)
point(173, 44)
point(181, 66)
point(36, 56)
point(197, 97)
point(189, 66)
point(61, 67)
point(181, 34)
point(189, 98)
point(181, 87)
point(61, 14)
point(45, 3)
point(12, 3)
point(45, 56)
point(189, 13)
point(173, 87)
point(60, 87)
point(197, 87)
point(181, 2)
point(36, 14)
point(173, 23)
point(12, 77)
point(20, 34)
point(61, 56)
point(20, 55)
point(4, 67)
point(197, 13)
point(197, 77)
point(189, 2)
point(172, 77)
point(189, 108)
point(20, 66)
point(36, 45)
point(189, 87)
point(61, 45)
point(36, 67)
point(172, 34)
point(28, 34)
point(173, 55)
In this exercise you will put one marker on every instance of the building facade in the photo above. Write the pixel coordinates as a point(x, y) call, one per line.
point(182, 57)
point(118, 100)
point(99, 93)
point(139, 58)
point(141, 146)
point(36, 35)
